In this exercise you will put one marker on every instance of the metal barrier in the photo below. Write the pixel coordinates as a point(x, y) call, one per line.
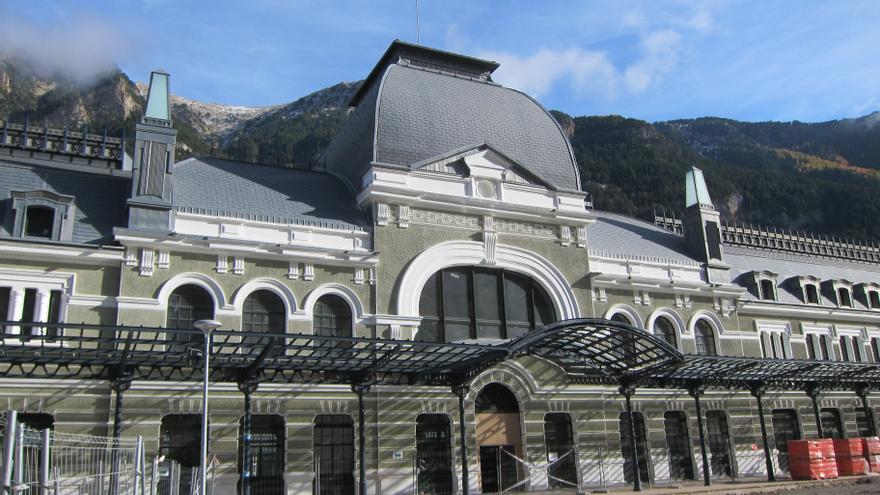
point(48, 462)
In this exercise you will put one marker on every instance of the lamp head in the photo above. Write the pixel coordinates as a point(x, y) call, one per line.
point(207, 326)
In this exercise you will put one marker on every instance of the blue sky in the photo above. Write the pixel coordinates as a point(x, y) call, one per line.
point(653, 60)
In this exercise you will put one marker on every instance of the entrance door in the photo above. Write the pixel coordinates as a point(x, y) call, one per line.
point(719, 444)
point(641, 447)
point(180, 437)
point(498, 469)
point(560, 451)
point(499, 438)
point(433, 455)
point(681, 466)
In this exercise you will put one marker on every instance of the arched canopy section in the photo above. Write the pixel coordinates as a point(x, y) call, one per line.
point(192, 278)
point(271, 285)
point(591, 346)
point(469, 253)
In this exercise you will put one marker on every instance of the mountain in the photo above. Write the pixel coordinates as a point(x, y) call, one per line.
point(814, 177)
point(818, 177)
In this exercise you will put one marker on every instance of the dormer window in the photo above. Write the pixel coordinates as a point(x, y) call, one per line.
point(811, 294)
point(844, 298)
point(768, 290)
point(764, 284)
point(809, 289)
point(868, 293)
point(39, 221)
point(874, 299)
point(43, 215)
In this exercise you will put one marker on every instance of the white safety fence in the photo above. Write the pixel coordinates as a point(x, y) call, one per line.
point(47, 462)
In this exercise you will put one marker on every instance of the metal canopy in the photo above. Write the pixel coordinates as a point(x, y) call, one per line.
point(589, 350)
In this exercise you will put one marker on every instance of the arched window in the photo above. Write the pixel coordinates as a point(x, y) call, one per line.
point(665, 329)
point(621, 318)
point(263, 312)
point(332, 317)
point(705, 338)
point(187, 305)
point(463, 303)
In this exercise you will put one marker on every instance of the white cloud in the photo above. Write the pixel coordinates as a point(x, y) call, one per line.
point(79, 50)
point(590, 72)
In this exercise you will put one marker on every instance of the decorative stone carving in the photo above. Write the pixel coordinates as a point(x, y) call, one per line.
point(163, 261)
point(443, 218)
point(564, 235)
point(146, 262)
point(222, 264)
point(523, 228)
point(358, 276)
point(581, 236)
point(403, 216)
point(293, 271)
point(372, 275)
point(383, 211)
point(130, 258)
point(238, 266)
point(308, 272)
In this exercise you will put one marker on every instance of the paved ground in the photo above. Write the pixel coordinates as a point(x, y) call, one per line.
point(858, 485)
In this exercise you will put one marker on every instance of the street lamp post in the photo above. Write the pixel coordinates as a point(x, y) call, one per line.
point(206, 326)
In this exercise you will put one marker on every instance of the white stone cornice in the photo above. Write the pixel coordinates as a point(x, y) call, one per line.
point(811, 312)
point(448, 192)
point(108, 256)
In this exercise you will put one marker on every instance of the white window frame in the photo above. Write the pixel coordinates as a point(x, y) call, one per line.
point(844, 284)
point(854, 341)
point(775, 339)
point(825, 337)
point(810, 280)
point(759, 277)
point(44, 283)
point(62, 205)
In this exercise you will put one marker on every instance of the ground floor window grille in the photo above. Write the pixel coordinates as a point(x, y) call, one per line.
point(265, 454)
point(560, 450)
point(433, 454)
point(832, 426)
point(863, 422)
point(681, 465)
point(785, 428)
point(180, 437)
point(719, 444)
point(334, 455)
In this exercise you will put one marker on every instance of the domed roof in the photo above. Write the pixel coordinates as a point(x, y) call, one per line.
point(426, 103)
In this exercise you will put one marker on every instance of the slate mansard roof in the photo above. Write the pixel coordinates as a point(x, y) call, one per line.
point(262, 192)
point(411, 111)
point(99, 199)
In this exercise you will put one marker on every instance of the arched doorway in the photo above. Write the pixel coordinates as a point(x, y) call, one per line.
point(499, 438)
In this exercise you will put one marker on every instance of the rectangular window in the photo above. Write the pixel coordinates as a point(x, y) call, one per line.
point(843, 297)
point(489, 309)
point(832, 426)
point(55, 299)
point(811, 346)
point(863, 422)
point(845, 354)
point(767, 290)
point(5, 293)
point(875, 348)
point(827, 348)
point(28, 310)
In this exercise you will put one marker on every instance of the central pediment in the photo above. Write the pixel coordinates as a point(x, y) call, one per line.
point(481, 162)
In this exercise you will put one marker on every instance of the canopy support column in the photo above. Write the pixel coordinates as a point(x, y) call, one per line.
point(461, 390)
point(696, 392)
point(815, 394)
point(758, 394)
point(627, 391)
point(361, 389)
point(247, 388)
point(862, 392)
point(119, 385)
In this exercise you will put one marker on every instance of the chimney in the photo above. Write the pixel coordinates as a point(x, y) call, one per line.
point(702, 228)
point(149, 208)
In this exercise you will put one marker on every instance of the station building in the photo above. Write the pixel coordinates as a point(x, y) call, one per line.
point(446, 221)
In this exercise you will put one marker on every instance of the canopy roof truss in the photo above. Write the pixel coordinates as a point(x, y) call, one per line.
point(589, 350)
